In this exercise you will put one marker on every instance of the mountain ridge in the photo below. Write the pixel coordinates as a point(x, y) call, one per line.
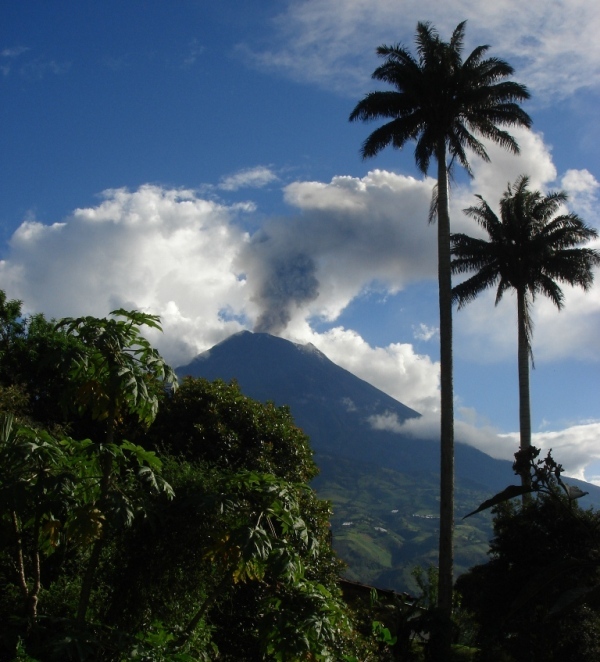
point(332, 405)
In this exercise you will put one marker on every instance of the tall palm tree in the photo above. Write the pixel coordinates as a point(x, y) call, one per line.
point(441, 101)
point(530, 250)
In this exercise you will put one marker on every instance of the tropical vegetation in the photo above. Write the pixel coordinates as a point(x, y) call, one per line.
point(442, 102)
point(142, 521)
point(532, 247)
point(538, 597)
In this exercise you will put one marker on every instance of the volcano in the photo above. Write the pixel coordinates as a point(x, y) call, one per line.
point(383, 485)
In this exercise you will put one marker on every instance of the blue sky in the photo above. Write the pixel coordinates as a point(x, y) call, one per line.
point(194, 159)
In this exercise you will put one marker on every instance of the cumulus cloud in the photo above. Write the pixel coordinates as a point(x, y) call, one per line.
point(483, 437)
point(553, 45)
point(490, 180)
point(163, 251)
point(575, 447)
point(188, 259)
point(582, 189)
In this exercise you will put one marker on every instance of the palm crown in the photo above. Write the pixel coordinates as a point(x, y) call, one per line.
point(441, 97)
point(530, 249)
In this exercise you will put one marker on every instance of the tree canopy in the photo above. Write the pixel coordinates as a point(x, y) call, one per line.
point(161, 545)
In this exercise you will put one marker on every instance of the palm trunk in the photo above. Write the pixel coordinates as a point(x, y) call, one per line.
point(447, 405)
point(523, 362)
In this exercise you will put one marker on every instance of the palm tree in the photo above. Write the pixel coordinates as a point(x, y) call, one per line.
point(530, 250)
point(441, 102)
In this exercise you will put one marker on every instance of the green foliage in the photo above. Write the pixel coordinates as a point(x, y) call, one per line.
point(51, 506)
point(114, 367)
point(402, 624)
point(33, 378)
point(541, 477)
point(158, 644)
point(385, 522)
point(253, 548)
point(382, 634)
point(538, 596)
point(104, 560)
point(305, 619)
point(216, 423)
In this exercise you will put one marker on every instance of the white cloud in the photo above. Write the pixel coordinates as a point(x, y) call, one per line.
point(575, 448)
point(388, 421)
point(172, 253)
point(486, 332)
point(188, 259)
point(411, 378)
point(163, 251)
point(553, 45)
point(256, 177)
point(8, 57)
point(490, 180)
point(582, 189)
point(424, 332)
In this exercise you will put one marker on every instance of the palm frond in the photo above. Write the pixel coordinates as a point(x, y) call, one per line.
point(377, 105)
point(549, 288)
point(475, 57)
point(433, 205)
point(453, 99)
point(425, 149)
point(469, 289)
point(461, 138)
point(397, 133)
point(427, 40)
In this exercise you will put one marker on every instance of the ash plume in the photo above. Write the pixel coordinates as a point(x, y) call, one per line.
point(288, 281)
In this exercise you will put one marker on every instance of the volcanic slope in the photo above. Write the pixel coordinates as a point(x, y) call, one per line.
point(384, 486)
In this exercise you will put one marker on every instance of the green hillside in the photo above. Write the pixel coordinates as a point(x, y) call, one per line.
point(385, 522)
